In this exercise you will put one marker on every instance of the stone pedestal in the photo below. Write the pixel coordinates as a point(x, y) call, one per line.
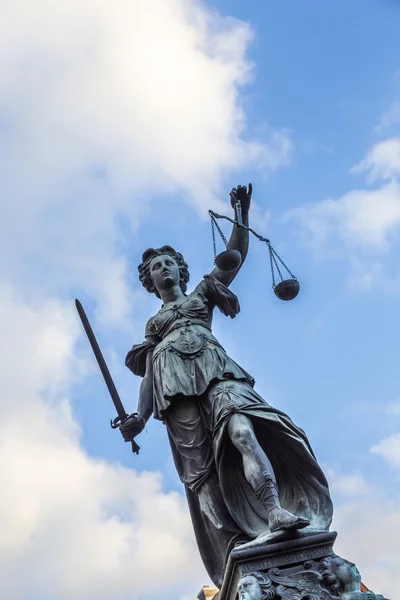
point(299, 566)
point(284, 557)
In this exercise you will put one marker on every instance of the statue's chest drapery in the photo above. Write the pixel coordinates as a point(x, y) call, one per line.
point(183, 326)
point(193, 308)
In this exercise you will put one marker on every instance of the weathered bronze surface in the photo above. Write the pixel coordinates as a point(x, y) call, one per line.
point(287, 289)
point(258, 500)
point(248, 470)
point(228, 260)
point(301, 567)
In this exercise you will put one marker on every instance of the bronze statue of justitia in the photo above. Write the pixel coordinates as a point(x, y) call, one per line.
point(246, 467)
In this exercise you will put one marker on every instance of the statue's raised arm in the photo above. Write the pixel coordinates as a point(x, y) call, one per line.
point(239, 239)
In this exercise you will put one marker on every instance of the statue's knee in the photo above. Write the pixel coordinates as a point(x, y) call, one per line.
point(241, 432)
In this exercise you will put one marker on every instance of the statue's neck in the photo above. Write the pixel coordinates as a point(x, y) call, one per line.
point(172, 294)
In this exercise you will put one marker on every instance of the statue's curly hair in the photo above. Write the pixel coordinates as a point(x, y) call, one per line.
point(144, 267)
point(329, 577)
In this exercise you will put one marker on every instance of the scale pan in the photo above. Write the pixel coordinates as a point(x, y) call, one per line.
point(287, 289)
point(228, 260)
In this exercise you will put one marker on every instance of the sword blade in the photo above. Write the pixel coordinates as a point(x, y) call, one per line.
point(101, 362)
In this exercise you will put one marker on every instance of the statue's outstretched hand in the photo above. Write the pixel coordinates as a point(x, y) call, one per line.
point(243, 194)
point(131, 427)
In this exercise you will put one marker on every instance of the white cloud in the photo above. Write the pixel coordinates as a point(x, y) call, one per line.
point(348, 485)
point(368, 534)
point(389, 118)
point(360, 220)
point(367, 274)
point(367, 519)
point(363, 224)
point(76, 527)
point(103, 106)
point(393, 408)
point(382, 161)
point(389, 449)
point(368, 526)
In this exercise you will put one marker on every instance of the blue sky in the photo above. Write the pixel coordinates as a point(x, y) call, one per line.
point(120, 126)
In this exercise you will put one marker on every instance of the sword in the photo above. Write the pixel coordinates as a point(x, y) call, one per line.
point(122, 414)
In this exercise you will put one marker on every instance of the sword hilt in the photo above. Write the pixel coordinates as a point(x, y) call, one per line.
point(115, 423)
point(135, 447)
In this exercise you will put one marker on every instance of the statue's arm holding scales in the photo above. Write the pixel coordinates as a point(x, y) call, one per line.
point(239, 239)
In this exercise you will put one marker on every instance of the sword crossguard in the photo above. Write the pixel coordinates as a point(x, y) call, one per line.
point(115, 423)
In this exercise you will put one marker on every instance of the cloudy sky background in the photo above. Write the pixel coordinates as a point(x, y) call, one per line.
point(121, 123)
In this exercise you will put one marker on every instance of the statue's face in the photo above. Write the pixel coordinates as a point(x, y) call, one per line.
point(164, 272)
point(249, 588)
point(348, 574)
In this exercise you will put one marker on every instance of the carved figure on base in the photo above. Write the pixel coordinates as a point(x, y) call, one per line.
point(255, 586)
point(331, 578)
point(343, 579)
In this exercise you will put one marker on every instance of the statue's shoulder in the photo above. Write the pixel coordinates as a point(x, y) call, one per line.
point(150, 327)
point(219, 295)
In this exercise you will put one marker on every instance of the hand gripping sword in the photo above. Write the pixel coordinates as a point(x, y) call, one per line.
point(122, 414)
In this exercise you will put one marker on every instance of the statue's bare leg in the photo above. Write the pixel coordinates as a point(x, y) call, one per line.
point(260, 474)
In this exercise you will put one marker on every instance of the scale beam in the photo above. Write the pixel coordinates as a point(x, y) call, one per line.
point(286, 289)
point(260, 237)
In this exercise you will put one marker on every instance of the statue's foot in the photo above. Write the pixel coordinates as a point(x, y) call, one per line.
point(282, 520)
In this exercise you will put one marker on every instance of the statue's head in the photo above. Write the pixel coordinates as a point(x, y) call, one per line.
point(162, 268)
point(339, 575)
point(255, 586)
point(249, 588)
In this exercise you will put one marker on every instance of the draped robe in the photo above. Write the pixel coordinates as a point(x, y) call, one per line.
point(196, 389)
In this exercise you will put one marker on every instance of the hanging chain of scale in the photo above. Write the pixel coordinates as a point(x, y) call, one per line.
point(230, 259)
